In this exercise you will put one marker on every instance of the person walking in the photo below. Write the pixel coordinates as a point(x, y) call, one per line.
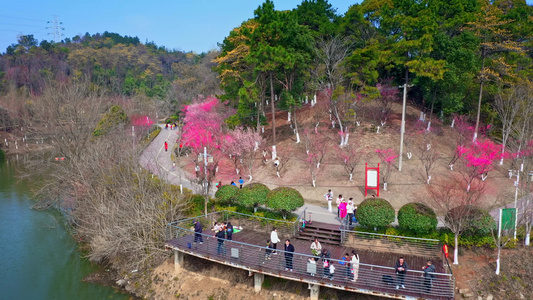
point(166, 146)
point(268, 250)
point(274, 239)
point(342, 209)
point(339, 200)
point(429, 270)
point(289, 250)
point(329, 198)
point(401, 270)
point(355, 265)
point(241, 182)
point(198, 232)
point(349, 211)
point(221, 236)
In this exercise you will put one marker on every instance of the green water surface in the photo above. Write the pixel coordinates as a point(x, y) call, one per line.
point(38, 258)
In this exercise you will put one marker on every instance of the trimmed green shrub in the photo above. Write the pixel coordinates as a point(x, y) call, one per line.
point(417, 217)
point(375, 213)
point(2, 155)
point(284, 199)
point(227, 193)
point(253, 194)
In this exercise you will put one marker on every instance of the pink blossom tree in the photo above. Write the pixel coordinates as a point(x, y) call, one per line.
point(350, 155)
point(242, 145)
point(316, 144)
point(310, 162)
point(478, 159)
point(203, 132)
point(464, 130)
point(388, 95)
point(387, 157)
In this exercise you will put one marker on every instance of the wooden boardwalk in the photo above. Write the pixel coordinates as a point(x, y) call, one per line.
point(247, 251)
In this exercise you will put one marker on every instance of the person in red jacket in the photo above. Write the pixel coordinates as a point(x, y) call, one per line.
point(166, 146)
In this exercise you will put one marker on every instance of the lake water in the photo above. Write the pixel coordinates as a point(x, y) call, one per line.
point(38, 258)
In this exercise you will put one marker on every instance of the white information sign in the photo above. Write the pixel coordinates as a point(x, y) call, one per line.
point(372, 178)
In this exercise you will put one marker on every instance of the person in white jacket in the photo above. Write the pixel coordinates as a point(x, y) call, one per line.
point(355, 265)
point(274, 239)
point(349, 209)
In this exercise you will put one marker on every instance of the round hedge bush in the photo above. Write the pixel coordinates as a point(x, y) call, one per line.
point(375, 213)
point(253, 194)
point(284, 199)
point(417, 217)
point(227, 193)
point(476, 220)
point(2, 155)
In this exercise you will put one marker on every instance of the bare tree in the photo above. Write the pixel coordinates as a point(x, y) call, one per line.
point(118, 209)
point(330, 73)
point(507, 103)
point(455, 204)
point(428, 155)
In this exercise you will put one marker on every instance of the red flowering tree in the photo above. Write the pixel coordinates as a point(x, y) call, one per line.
point(387, 157)
point(478, 159)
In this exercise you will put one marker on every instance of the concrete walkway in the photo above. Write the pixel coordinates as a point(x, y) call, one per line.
point(158, 161)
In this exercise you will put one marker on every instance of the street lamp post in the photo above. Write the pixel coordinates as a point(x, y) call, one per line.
point(516, 184)
point(402, 130)
point(528, 212)
point(205, 179)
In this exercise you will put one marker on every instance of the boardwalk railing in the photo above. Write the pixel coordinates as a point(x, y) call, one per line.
point(390, 243)
point(285, 229)
point(370, 279)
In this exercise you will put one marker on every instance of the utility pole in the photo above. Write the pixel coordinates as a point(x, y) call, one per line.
point(402, 130)
point(56, 29)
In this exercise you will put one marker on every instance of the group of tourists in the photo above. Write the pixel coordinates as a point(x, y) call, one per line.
point(348, 264)
point(347, 268)
point(223, 231)
point(171, 126)
point(345, 209)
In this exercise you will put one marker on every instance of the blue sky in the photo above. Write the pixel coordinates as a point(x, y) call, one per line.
point(187, 25)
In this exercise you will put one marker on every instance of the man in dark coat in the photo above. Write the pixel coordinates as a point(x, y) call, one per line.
point(429, 270)
point(289, 250)
point(198, 232)
point(221, 236)
point(401, 270)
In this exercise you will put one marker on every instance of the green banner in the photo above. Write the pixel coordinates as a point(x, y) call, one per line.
point(508, 218)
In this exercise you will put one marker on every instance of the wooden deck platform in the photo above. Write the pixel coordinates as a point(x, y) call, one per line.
point(245, 252)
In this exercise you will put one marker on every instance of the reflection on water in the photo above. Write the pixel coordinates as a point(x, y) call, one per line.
point(38, 258)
